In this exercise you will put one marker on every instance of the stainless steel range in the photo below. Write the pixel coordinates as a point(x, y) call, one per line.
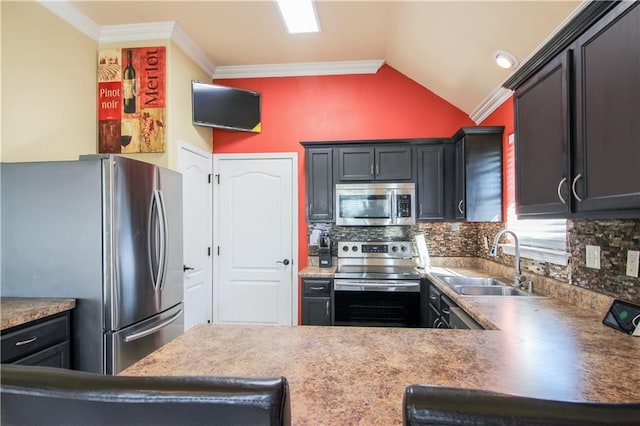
point(376, 285)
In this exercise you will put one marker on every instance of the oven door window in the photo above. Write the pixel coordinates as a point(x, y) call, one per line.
point(364, 206)
point(372, 308)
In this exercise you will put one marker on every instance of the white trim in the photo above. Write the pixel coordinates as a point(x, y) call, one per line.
point(293, 156)
point(135, 32)
point(490, 104)
point(496, 98)
point(74, 17)
point(193, 50)
point(298, 69)
point(557, 257)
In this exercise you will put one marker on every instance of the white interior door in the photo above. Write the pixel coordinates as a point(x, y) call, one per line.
point(196, 167)
point(255, 226)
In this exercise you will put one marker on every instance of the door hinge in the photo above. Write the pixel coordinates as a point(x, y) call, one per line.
point(209, 251)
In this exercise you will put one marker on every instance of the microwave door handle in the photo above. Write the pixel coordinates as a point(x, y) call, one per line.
point(394, 207)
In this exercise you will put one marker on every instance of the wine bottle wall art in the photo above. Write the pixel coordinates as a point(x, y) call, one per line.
point(132, 100)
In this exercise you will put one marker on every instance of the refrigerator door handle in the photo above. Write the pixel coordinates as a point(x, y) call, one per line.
point(148, 331)
point(157, 240)
point(164, 235)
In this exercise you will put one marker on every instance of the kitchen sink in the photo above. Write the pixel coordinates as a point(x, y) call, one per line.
point(481, 286)
point(489, 290)
point(471, 281)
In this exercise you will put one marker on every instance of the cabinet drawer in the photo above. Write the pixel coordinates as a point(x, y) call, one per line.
point(55, 356)
point(316, 287)
point(34, 337)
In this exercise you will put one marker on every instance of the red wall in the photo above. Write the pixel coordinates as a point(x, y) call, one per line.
point(363, 106)
point(503, 116)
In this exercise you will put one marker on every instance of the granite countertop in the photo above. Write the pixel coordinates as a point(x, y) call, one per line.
point(544, 348)
point(20, 310)
point(317, 272)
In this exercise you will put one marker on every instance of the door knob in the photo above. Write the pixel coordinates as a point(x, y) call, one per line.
point(285, 262)
point(186, 268)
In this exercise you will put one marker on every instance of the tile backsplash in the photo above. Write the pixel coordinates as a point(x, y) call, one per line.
point(467, 239)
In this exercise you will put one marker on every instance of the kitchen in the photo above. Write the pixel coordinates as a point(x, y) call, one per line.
point(444, 121)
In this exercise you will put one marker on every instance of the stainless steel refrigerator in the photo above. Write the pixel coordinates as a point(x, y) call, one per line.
point(107, 231)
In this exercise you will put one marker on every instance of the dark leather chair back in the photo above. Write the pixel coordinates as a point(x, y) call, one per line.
point(51, 396)
point(435, 405)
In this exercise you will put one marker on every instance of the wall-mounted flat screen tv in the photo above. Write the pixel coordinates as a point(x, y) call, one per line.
point(226, 107)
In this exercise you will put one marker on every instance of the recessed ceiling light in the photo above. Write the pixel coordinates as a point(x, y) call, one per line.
point(299, 16)
point(505, 59)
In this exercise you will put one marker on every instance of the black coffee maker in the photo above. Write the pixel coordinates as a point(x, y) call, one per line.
point(324, 251)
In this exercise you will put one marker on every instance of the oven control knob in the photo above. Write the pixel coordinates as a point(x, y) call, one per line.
point(403, 248)
point(394, 248)
point(345, 248)
point(354, 248)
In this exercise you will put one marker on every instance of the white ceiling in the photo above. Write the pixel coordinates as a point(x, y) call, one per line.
point(445, 46)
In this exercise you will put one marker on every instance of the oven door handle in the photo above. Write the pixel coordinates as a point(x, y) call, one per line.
point(377, 285)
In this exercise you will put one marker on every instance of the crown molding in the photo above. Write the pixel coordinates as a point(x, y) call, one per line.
point(193, 50)
point(74, 17)
point(135, 32)
point(171, 30)
point(298, 69)
point(499, 94)
point(490, 104)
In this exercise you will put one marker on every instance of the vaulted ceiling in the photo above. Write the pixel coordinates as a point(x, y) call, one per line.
point(446, 46)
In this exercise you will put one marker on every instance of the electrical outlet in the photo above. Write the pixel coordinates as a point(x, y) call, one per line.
point(486, 242)
point(593, 257)
point(633, 258)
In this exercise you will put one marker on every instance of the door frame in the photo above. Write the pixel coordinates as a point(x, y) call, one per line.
point(293, 157)
point(185, 146)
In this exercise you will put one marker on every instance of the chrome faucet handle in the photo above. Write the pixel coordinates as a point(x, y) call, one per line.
point(520, 279)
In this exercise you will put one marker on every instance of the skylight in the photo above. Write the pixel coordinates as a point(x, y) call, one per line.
point(299, 16)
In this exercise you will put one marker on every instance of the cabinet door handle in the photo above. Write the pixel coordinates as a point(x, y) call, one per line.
point(372, 169)
point(573, 186)
point(563, 180)
point(378, 169)
point(420, 209)
point(432, 297)
point(446, 311)
point(316, 288)
point(327, 309)
point(460, 206)
point(26, 342)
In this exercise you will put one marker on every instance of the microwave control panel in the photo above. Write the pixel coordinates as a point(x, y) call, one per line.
point(404, 205)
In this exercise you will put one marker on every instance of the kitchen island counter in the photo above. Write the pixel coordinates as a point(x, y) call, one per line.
point(357, 375)
point(17, 311)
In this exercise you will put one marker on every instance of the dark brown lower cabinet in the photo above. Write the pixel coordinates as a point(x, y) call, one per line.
point(44, 342)
point(317, 308)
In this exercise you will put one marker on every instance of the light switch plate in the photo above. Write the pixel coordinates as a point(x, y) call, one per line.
point(633, 259)
point(593, 257)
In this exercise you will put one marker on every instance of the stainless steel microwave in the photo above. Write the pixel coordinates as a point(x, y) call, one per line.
point(375, 204)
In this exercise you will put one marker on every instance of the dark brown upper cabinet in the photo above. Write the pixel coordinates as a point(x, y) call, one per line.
point(606, 174)
point(542, 148)
point(319, 181)
point(478, 174)
point(430, 184)
point(577, 118)
point(380, 163)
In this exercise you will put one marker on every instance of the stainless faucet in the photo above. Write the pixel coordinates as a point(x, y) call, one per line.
point(517, 278)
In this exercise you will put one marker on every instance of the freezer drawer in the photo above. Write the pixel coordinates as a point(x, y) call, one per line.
point(129, 345)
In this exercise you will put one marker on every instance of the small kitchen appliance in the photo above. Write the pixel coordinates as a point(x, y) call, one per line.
point(375, 204)
point(324, 251)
